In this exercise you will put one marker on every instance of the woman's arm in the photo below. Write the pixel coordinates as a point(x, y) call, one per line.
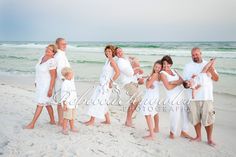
point(149, 82)
point(166, 83)
point(52, 81)
point(116, 70)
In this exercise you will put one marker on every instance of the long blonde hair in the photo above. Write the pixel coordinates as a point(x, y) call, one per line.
point(157, 62)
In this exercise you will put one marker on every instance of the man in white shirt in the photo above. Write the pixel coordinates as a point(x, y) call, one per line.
point(201, 107)
point(62, 62)
point(127, 80)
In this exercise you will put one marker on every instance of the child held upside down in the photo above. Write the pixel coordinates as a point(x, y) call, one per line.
point(197, 80)
point(138, 72)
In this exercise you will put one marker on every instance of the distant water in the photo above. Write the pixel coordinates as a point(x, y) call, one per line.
point(87, 58)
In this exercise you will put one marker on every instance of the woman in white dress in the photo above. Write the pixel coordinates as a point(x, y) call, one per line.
point(98, 102)
point(174, 98)
point(149, 103)
point(44, 83)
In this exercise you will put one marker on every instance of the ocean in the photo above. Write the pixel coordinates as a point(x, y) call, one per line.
point(87, 58)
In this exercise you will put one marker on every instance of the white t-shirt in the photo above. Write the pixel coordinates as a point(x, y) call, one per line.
point(126, 71)
point(68, 94)
point(205, 92)
point(62, 62)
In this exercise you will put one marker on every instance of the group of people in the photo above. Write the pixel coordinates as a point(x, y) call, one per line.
point(55, 80)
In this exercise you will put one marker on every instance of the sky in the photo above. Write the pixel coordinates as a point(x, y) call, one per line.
point(118, 20)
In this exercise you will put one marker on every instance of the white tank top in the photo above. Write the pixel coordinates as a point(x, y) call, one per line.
point(175, 92)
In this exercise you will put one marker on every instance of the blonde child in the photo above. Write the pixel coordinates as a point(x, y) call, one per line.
point(68, 100)
point(148, 105)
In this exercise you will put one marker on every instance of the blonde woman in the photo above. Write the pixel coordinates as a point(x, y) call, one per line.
point(44, 83)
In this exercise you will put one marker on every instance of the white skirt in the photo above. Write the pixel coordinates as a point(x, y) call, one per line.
point(42, 88)
point(99, 101)
point(149, 103)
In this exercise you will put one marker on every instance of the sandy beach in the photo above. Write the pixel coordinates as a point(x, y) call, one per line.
point(17, 109)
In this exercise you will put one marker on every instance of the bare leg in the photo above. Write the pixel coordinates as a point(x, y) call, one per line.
point(156, 122)
point(150, 126)
point(36, 116)
point(107, 117)
point(60, 114)
point(51, 115)
point(91, 121)
point(72, 126)
point(209, 130)
point(172, 135)
point(208, 65)
point(198, 137)
point(130, 112)
point(64, 127)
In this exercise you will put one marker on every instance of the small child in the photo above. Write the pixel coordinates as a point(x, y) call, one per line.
point(149, 103)
point(195, 82)
point(138, 72)
point(68, 100)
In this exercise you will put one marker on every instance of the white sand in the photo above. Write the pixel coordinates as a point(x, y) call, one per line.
point(17, 109)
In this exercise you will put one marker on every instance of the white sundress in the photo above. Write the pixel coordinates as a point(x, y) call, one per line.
point(100, 98)
point(42, 80)
point(149, 103)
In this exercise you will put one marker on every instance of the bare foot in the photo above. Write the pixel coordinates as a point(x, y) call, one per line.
point(52, 122)
point(185, 135)
point(149, 137)
point(106, 122)
point(89, 123)
point(29, 126)
point(156, 130)
point(74, 130)
point(172, 136)
point(128, 123)
point(60, 123)
point(65, 132)
point(211, 143)
point(197, 139)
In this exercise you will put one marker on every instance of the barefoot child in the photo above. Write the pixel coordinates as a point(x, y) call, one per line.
point(68, 100)
point(150, 101)
point(195, 82)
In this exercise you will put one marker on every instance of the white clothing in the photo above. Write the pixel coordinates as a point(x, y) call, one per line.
point(100, 98)
point(42, 80)
point(174, 98)
point(150, 101)
point(126, 71)
point(68, 94)
point(205, 92)
point(62, 62)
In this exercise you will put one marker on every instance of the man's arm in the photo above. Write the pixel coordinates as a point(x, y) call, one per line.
point(214, 74)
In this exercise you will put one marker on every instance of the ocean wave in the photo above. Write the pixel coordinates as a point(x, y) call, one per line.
point(17, 57)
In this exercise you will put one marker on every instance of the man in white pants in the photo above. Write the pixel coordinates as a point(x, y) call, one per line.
point(62, 62)
point(201, 107)
point(129, 84)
